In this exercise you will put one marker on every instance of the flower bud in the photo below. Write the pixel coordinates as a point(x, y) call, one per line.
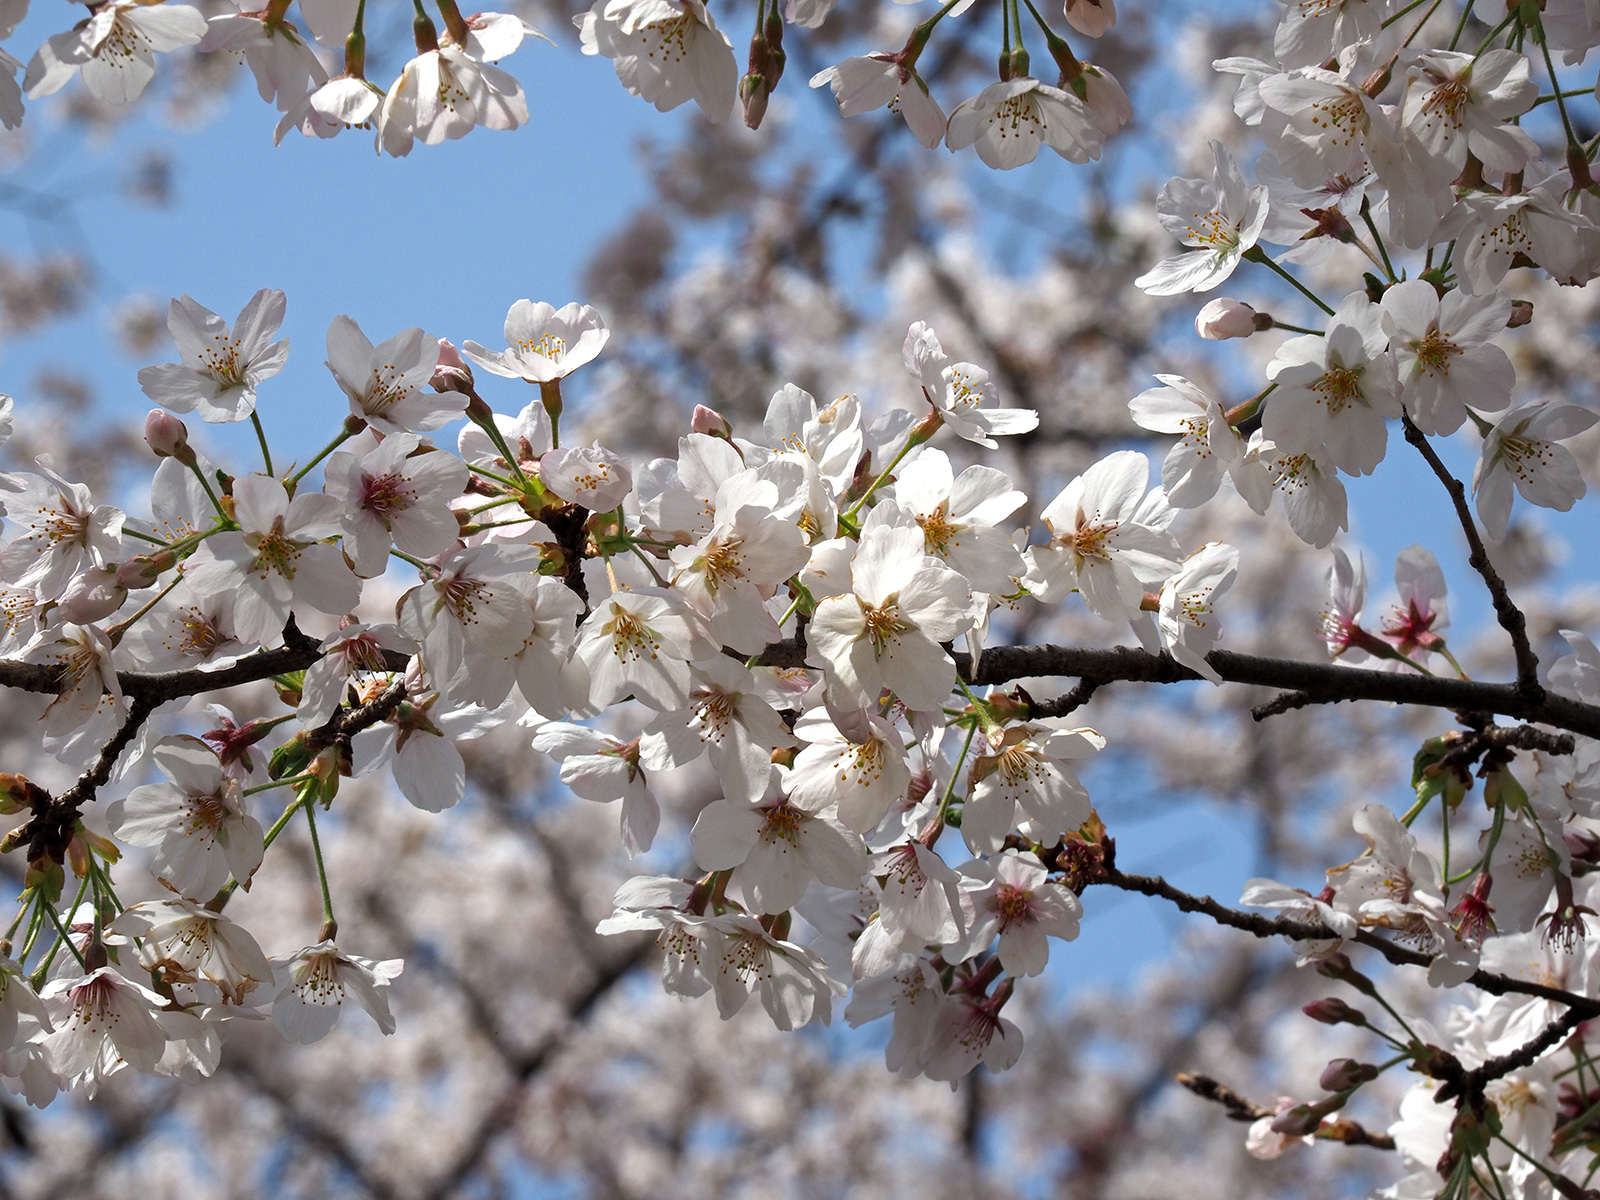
point(453, 374)
point(167, 436)
point(1345, 1074)
point(1333, 1011)
point(1224, 318)
point(711, 423)
point(1521, 314)
point(92, 596)
point(1091, 17)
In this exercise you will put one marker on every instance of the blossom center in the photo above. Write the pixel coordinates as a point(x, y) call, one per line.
point(783, 824)
point(884, 623)
point(631, 639)
point(1434, 353)
point(275, 553)
point(386, 496)
point(1014, 905)
point(937, 529)
point(1338, 388)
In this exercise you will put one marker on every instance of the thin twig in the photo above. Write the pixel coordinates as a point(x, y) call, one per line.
point(1510, 616)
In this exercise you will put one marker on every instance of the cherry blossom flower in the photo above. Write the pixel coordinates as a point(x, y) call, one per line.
point(1223, 217)
point(185, 629)
point(728, 721)
point(969, 1031)
point(1188, 620)
point(474, 610)
point(1313, 497)
point(912, 993)
point(314, 984)
point(959, 516)
point(1008, 122)
point(274, 561)
point(729, 574)
point(1442, 350)
point(192, 945)
point(863, 85)
point(1207, 448)
point(921, 901)
point(353, 647)
point(1421, 613)
point(544, 343)
point(1491, 229)
point(442, 94)
point(90, 705)
point(1522, 451)
point(886, 632)
point(863, 773)
point(417, 742)
point(19, 1003)
point(638, 644)
point(384, 383)
point(114, 49)
point(665, 52)
point(1336, 391)
point(1009, 896)
point(1301, 905)
point(61, 532)
point(395, 496)
point(775, 850)
point(601, 768)
point(961, 392)
point(1108, 539)
point(287, 70)
point(1395, 885)
point(794, 987)
point(1341, 620)
point(103, 1021)
point(196, 821)
point(1321, 124)
point(221, 367)
point(1456, 103)
point(1313, 31)
point(1027, 766)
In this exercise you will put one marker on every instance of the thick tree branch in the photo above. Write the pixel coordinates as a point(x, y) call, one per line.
point(1509, 615)
point(1324, 683)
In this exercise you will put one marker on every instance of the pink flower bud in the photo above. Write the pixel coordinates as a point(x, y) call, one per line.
point(1521, 314)
point(1091, 17)
point(710, 422)
point(453, 374)
point(1224, 318)
point(165, 434)
point(92, 596)
point(1346, 1074)
point(137, 573)
point(1333, 1011)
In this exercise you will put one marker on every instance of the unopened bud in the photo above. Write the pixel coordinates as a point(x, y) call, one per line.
point(1091, 17)
point(754, 89)
point(711, 423)
point(453, 374)
point(1333, 1011)
point(1521, 314)
point(1345, 1074)
point(92, 596)
point(1297, 1121)
point(141, 572)
point(1338, 966)
point(1225, 318)
point(167, 436)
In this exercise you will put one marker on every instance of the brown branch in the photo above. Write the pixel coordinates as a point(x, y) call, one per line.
point(1469, 1086)
point(1583, 1007)
point(1509, 615)
point(1071, 701)
point(1325, 683)
point(1351, 1133)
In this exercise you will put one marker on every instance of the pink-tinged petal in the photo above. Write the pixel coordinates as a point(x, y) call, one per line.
point(724, 833)
point(429, 772)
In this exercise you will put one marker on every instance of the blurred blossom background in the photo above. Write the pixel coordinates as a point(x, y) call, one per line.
point(533, 1057)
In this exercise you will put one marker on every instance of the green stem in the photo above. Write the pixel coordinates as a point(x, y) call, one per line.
point(66, 938)
point(1366, 215)
point(292, 780)
point(1257, 255)
point(497, 439)
point(344, 436)
point(1388, 21)
point(1277, 324)
point(955, 775)
point(316, 853)
point(404, 557)
point(261, 436)
point(1461, 25)
point(116, 631)
point(879, 481)
point(1555, 85)
point(1428, 16)
point(210, 495)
